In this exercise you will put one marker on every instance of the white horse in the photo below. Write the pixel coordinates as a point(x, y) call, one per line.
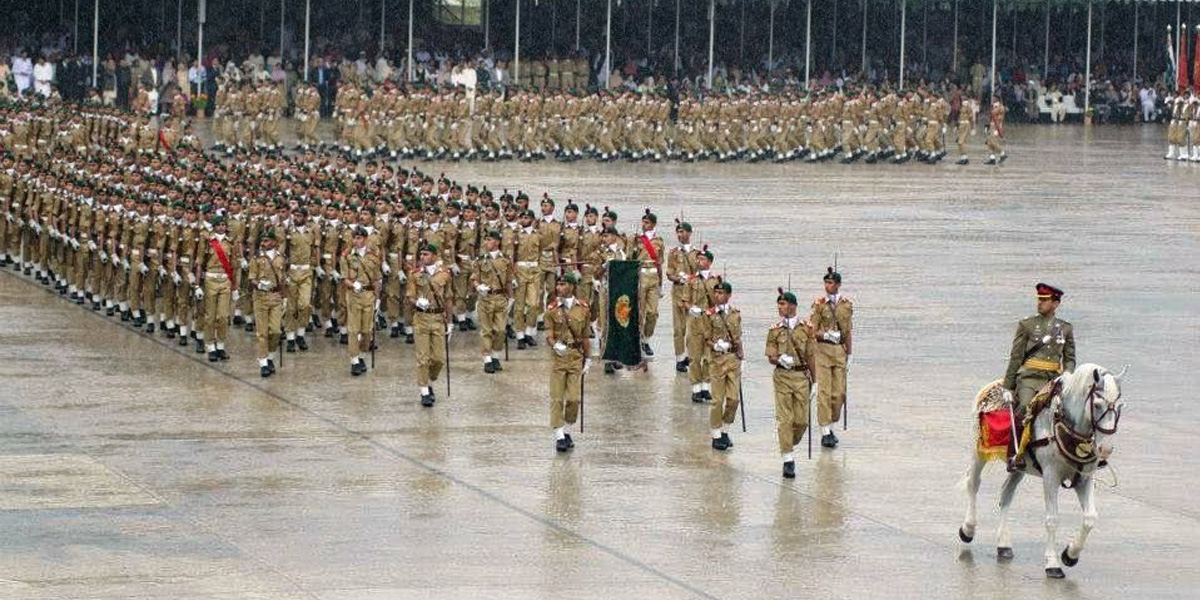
point(1065, 449)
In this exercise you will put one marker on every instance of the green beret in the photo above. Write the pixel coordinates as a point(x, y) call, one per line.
point(611, 214)
point(724, 287)
point(217, 221)
point(571, 277)
point(610, 229)
point(267, 234)
point(591, 210)
point(649, 216)
point(572, 207)
point(706, 253)
point(528, 213)
point(430, 248)
point(683, 226)
point(788, 297)
point(548, 200)
point(360, 231)
point(831, 275)
point(495, 235)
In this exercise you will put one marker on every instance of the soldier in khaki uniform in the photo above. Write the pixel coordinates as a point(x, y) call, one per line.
point(567, 335)
point(649, 249)
point(492, 279)
point(831, 320)
point(681, 266)
point(361, 278)
point(528, 296)
point(966, 126)
point(214, 270)
point(1042, 349)
point(995, 133)
point(431, 295)
point(268, 276)
point(303, 254)
point(790, 349)
point(722, 329)
point(699, 297)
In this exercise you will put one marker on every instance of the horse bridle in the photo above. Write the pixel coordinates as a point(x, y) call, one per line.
point(1112, 408)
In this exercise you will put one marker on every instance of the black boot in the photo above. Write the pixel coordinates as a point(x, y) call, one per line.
point(470, 324)
point(522, 344)
point(110, 311)
point(829, 440)
point(496, 365)
point(96, 305)
point(531, 342)
point(357, 369)
point(462, 325)
point(264, 372)
point(570, 442)
point(720, 443)
point(271, 365)
point(329, 331)
point(183, 341)
point(728, 442)
point(789, 470)
point(344, 339)
point(707, 394)
point(609, 369)
point(561, 445)
point(427, 399)
point(647, 350)
point(213, 357)
point(395, 332)
point(291, 346)
point(682, 366)
point(170, 334)
point(199, 347)
point(409, 339)
point(150, 328)
point(239, 320)
point(302, 344)
point(489, 367)
point(698, 397)
point(125, 316)
point(249, 327)
point(508, 331)
point(223, 355)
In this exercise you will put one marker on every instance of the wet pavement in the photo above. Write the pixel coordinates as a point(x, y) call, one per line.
point(131, 468)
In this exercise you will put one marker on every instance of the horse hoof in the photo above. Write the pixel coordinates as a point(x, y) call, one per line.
point(962, 535)
point(1055, 573)
point(1067, 560)
point(1004, 553)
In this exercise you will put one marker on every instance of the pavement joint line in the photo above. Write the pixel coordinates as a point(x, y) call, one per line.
point(396, 453)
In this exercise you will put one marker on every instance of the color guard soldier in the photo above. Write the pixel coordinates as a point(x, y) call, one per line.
point(430, 293)
point(268, 276)
point(649, 249)
point(568, 336)
point(831, 319)
point(996, 133)
point(681, 265)
point(790, 350)
point(215, 272)
point(492, 277)
point(722, 328)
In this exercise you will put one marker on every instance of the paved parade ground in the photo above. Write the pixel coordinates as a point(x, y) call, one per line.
point(132, 468)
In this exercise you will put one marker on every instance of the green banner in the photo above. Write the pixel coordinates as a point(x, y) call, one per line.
point(623, 341)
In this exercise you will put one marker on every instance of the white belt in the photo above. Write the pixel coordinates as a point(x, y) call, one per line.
point(547, 253)
point(527, 263)
point(395, 255)
point(152, 252)
point(134, 252)
point(465, 256)
point(650, 270)
point(216, 276)
point(301, 267)
point(185, 260)
point(327, 255)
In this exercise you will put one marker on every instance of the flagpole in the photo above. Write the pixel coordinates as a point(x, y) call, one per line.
point(864, 37)
point(517, 46)
point(771, 38)
point(712, 36)
point(808, 46)
point(903, 14)
point(604, 75)
point(995, 6)
point(1046, 48)
point(1087, 76)
point(307, 40)
point(1135, 40)
point(96, 42)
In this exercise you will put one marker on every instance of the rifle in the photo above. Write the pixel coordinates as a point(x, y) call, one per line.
point(845, 396)
point(582, 377)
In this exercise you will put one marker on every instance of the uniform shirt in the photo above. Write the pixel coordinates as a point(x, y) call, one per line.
point(723, 323)
point(1041, 345)
point(494, 270)
point(833, 313)
point(268, 270)
point(787, 337)
point(361, 265)
point(432, 283)
point(567, 321)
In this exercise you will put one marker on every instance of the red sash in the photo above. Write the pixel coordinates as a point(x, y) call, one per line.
point(649, 249)
point(162, 140)
point(216, 246)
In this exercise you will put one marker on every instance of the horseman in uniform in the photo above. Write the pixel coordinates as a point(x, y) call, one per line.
point(1042, 349)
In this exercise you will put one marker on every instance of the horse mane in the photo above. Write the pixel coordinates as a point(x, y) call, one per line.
point(1079, 381)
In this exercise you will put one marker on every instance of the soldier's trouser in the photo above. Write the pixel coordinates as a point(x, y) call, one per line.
point(566, 374)
point(648, 289)
point(183, 304)
point(464, 296)
point(873, 136)
point(964, 131)
point(849, 137)
point(698, 368)
point(394, 291)
point(150, 289)
point(586, 291)
point(549, 279)
point(325, 297)
point(307, 130)
point(831, 382)
point(299, 300)
point(268, 312)
point(899, 136)
point(791, 407)
point(933, 132)
point(491, 323)
point(528, 297)
point(993, 143)
point(136, 279)
point(83, 260)
point(430, 332)
point(245, 303)
point(679, 321)
point(726, 377)
point(1028, 384)
point(359, 321)
point(216, 309)
point(170, 294)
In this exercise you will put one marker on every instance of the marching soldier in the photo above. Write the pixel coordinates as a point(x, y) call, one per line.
point(361, 278)
point(268, 276)
point(567, 334)
point(722, 327)
point(1042, 349)
point(303, 253)
point(790, 349)
point(215, 271)
point(649, 249)
point(831, 321)
point(966, 127)
point(430, 293)
point(701, 288)
point(996, 132)
point(492, 279)
point(681, 266)
point(550, 232)
point(528, 296)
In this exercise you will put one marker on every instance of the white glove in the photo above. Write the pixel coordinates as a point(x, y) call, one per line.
point(191, 278)
point(454, 269)
point(357, 286)
point(722, 346)
point(402, 277)
point(587, 365)
point(386, 268)
point(336, 275)
point(75, 243)
point(245, 264)
point(320, 271)
point(199, 293)
point(483, 289)
point(422, 303)
point(832, 336)
point(125, 263)
point(376, 305)
point(103, 257)
point(162, 272)
point(175, 277)
point(264, 285)
point(787, 361)
point(143, 268)
point(92, 246)
point(449, 329)
point(560, 349)
point(234, 295)
point(37, 228)
point(696, 310)
point(1008, 397)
